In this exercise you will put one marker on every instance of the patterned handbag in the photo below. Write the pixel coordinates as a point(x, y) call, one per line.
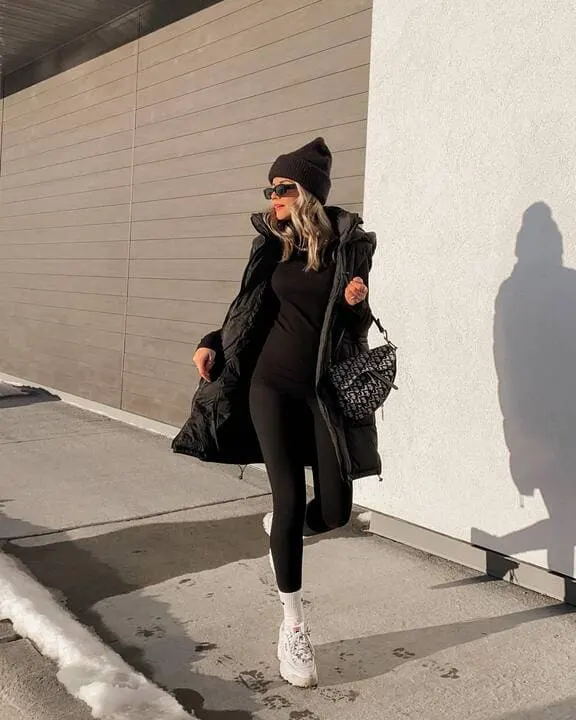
point(362, 382)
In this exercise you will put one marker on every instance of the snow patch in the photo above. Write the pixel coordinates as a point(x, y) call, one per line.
point(88, 669)
point(364, 519)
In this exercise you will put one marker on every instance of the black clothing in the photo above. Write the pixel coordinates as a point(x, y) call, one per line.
point(309, 165)
point(288, 359)
point(220, 428)
point(288, 429)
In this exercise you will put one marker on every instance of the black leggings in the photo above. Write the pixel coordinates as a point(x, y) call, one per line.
point(287, 427)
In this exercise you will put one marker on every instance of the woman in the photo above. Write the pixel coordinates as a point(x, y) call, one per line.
point(263, 394)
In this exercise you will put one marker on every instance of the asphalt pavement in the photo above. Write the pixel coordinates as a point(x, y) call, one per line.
point(165, 558)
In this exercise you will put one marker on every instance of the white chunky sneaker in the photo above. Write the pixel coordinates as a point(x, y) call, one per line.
point(296, 655)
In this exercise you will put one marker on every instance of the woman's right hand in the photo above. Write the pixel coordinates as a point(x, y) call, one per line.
point(204, 360)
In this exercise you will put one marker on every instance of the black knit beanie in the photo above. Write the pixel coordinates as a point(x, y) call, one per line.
point(309, 166)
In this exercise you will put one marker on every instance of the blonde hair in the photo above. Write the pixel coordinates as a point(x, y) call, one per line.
point(308, 224)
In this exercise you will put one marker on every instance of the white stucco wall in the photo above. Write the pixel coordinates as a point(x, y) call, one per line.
point(472, 122)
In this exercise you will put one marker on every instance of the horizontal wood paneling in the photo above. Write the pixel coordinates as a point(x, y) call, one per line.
point(87, 319)
point(94, 302)
point(331, 61)
point(169, 393)
point(204, 227)
point(117, 117)
point(247, 155)
point(107, 197)
point(169, 35)
point(311, 93)
point(69, 186)
point(182, 269)
point(64, 251)
point(127, 185)
point(234, 202)
point(346, 164)
point(176, 351)
point(230, 17)
point(50, 90)
point(273, 58)
point(46, 267)
point(177, 330)
point(65, 197)
point(244, 45)
point(86, 284)
point(206, 290)
point(156, 407)
point(65, 97)
point(167, 370)
point(63, 336)
point(112, 232)
point(212, 314)
point(63, 170)
point(236, 248)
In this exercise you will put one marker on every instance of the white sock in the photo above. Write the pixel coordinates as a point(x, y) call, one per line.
point(293, 608)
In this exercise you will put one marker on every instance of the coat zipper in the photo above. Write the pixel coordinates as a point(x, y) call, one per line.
point(341, 452)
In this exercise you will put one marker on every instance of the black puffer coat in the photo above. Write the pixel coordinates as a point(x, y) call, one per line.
point(220, 427)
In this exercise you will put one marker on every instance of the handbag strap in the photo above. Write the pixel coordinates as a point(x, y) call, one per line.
point(384, 332)
point(380, 327)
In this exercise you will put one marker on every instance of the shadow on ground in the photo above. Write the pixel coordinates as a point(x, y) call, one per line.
point(562, 710)
point(11, 397)
point(362, 658)
point(86, 571)
point(83, 572)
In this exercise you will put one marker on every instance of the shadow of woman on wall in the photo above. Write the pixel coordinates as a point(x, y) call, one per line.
point(535, 358)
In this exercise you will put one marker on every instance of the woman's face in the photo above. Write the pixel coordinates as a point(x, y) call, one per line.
point(282, 204)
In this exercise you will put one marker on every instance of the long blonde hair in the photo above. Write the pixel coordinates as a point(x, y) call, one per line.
point(309, 225)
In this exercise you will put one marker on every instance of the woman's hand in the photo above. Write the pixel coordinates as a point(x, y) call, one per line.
point(356, 291)
point(204, 360)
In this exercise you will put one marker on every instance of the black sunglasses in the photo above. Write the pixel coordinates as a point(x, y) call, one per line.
point(280, 190)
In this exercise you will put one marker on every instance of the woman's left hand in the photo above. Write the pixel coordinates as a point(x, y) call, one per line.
point(356, 291)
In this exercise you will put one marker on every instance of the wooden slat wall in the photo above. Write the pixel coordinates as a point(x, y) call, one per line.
point(65, 194)
point(126, 189)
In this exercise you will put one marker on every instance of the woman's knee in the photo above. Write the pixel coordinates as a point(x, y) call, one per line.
point(336, 518)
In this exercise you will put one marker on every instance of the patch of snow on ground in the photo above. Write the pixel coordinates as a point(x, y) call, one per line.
point(88, 669)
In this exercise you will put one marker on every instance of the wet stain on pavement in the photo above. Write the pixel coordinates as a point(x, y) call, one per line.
point(156, 631)
point(192, 701)
point(303, 715)
point(205, 647)
point(447, 672)
point(345, 655)
point(403, 653)
point(276, 702)
point(254, 680)
point(336, 695)
point(225, 660)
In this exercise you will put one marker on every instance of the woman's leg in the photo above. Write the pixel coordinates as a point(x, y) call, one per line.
point(278, 420)
point(332, 503)
point(280, 424)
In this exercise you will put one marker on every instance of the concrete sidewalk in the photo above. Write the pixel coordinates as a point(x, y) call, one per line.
point(166, 559)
